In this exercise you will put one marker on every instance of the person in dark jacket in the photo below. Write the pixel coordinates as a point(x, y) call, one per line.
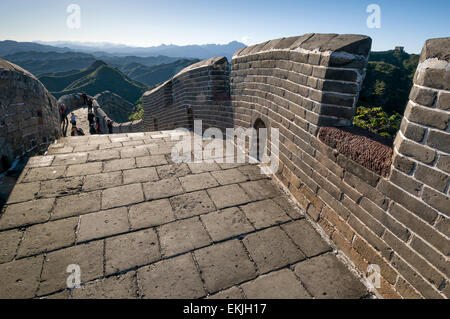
point(110, 126)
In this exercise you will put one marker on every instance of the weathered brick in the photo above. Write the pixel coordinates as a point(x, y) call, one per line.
point(425, 116)
point(417, 151)
point(439, 140)
point(438, 200)
point(444, 163)
point(432, 177)
point(421, 228)
point(443, 102)
point(435, 258)
point(412, 131)
point(406, 182)
point(434, 277)
point(424, 287)
point(425, 97)
point(360, 171)
point(403, 164)
point(385, 219)
point(411, 203)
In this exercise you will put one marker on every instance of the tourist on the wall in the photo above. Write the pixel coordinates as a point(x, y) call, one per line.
point(73, 119)
point(76, 131)
point(84, 98)
point(110, 126)
point(97, 125)
point(63, 118)
point(90, 104)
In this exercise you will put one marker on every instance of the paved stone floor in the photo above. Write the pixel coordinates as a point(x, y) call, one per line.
point(140, 226)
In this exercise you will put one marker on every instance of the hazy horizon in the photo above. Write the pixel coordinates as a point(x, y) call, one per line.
point(139, 23)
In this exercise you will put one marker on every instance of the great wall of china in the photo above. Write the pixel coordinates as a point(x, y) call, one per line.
point(379, 203)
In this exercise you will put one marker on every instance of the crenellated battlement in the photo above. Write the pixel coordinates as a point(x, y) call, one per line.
point(380, 203)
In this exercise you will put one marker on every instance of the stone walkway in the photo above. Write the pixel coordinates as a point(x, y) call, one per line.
point(140, 226)
point(82, 121)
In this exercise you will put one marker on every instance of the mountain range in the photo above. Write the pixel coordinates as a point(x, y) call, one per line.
point(109, 50)
point(204, 51)
point(95, 79)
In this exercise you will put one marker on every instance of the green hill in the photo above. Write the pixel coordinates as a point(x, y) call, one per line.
point(388, 80)
point(98, 78)
point(153, 75)
point(58, 81)
point(39, 63)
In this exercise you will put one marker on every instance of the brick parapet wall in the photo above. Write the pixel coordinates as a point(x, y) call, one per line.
point(28, 115)
point(201, 91)
point(398, 221)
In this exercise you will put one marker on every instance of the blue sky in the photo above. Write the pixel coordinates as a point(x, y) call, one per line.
point(152, 22)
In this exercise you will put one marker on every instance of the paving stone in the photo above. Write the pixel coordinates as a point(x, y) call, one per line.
point(226, 223)
point(191, 204)
point(100, 181)
point(103, 224)
point(74, 205)
point(163, 188)
point(198, 181)
point(27, 213)
point(122, 195)
point(85, 148)
point(49, 236)
point(23, 192)
point(175, 170)
point(271, 249)
point(20, 278)
point(227, 196)
point(138, 175)
point(265, 213)
point(119, 164)
point(40, 161)
point(109, 146)
point(197, 168)
point(153, 160)
point(84, 169)
point(115, 139)
point(175, 278)
point(60, 150)
point(182, 236)
point(161, 150)
point(306, 237)
point(229, 176)
point(289, 209)
point(9, 242)
point(118, 287)
point(253, 172)
point(61, 187)
point(132, 143)
point(131, 250)
point(231, 293)
point(280, 284)
point(262, 189)
point(44, 173)
point(150, 214)
point(224, 265)
point(103, 155)
point(70, 159)
point(134, 152)
point(326, 277)
point(88, 257)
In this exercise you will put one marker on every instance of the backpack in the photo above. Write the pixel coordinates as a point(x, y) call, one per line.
point(80, 131)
